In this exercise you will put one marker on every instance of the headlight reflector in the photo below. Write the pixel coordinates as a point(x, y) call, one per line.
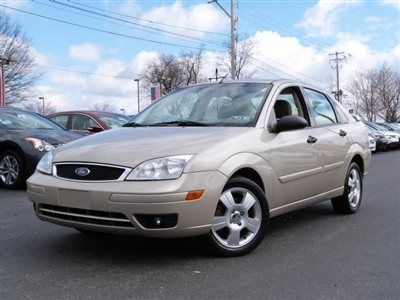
point(45, 165)
point(160, 168)
point(40, 145)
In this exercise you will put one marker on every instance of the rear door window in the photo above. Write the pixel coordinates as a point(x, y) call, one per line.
point(321, 108)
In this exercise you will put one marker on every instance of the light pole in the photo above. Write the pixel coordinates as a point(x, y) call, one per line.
point(123, 109)
point(42, 98)
point(4, 60)
point(138, 96)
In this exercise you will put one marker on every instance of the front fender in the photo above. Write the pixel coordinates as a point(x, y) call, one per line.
point(253, 161)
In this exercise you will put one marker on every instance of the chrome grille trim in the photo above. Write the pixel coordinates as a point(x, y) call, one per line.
point(121, 178)
point(83, 216)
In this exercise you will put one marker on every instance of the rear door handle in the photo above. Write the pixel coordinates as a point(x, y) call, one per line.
point(311, 139)
point(342, 133)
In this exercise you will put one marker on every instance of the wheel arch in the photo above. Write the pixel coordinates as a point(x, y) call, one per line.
point(251, 166)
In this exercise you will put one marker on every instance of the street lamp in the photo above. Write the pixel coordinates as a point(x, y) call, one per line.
point(42, 98)
point(138, 97)
point(4, 60)
point(123, 109)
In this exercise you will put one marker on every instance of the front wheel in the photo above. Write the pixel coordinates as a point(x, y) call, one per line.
point(240, 218)
point(11, 170)
point(350, 201)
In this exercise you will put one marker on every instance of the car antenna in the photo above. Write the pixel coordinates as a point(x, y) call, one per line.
point(223, 78)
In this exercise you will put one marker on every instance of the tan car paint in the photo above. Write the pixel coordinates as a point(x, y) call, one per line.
point(294, 173)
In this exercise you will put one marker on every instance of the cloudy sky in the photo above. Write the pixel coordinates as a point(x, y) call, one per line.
point(113, 39)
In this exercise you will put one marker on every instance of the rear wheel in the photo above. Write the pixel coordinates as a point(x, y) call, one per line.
point(240, 218)
point(350, 201)
point(11, 170)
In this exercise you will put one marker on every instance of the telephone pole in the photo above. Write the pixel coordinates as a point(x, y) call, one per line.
point(335, 62)
point(233, 34)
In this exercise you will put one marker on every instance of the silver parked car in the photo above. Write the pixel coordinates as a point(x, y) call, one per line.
point(217, 160)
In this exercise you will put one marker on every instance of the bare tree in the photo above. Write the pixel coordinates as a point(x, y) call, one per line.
point(20, 73)
point(164, 71)
point(191, 63)
point(388, 90)
point(37, 107)
point(364, 89)
point(244, 56)
point(103, 106)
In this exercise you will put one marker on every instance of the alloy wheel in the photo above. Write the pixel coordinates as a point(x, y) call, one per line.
point(354, 188)
point(237, 219)
point(9, 170)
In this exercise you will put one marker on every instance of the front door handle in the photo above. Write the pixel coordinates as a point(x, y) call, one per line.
point(311, 139)
point(342, 133)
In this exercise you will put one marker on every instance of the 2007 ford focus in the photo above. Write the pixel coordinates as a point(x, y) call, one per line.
point(216, 160)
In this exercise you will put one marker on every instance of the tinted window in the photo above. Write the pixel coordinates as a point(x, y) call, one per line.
point(25, 120)
point(321, 107)
point(82, 122)
point(61, 120)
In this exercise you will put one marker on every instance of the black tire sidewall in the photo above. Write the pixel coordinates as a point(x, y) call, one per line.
point(250, 185)
point(19, 183)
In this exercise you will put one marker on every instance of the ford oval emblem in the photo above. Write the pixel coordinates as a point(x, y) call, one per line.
point(82, 171)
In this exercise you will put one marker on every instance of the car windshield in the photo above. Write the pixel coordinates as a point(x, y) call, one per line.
point(230, 104)
point(378, 127)
point(25, 120)
point(113, 121)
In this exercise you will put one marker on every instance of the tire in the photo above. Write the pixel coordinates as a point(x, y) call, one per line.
point(12, 170)
point(350, 201)
point(238, 226)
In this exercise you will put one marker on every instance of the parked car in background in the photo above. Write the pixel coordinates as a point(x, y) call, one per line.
point(381, 142)
point(24, 138)
point(391, 126)
point(212, 159)
point(88, 122)
point(372, 142)
point(392, 137)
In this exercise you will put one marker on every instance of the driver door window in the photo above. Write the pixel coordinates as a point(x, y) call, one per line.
point(290, 103)
point(82, 122)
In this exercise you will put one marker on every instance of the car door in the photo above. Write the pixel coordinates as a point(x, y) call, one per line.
point(292, 154)
point(81, 123)
point(332, 132)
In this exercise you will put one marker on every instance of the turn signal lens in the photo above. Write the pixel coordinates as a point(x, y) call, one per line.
point(194, 195)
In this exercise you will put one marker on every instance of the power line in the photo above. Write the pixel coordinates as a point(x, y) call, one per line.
point(136, 24)
point(281, 25)
point(338, 58)
point(87, 73)
point(149, 21)
point(100, 19)
point(106, 31)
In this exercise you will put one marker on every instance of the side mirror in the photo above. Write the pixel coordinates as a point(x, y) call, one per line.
point(291, 123)
point(95, 129)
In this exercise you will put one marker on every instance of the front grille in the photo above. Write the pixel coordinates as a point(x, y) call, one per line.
point(87, 216)
point(97, 172)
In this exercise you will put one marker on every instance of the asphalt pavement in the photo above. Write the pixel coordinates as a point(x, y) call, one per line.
point(312, 253)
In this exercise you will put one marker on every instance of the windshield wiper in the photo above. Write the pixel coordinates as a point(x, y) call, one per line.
point(133, 124)
point(180, 123)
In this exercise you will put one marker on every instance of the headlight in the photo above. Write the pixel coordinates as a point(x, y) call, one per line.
point(45, 164)
point(160, 168)
point(40, 144)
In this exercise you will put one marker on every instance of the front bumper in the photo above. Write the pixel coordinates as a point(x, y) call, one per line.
point(98, 205)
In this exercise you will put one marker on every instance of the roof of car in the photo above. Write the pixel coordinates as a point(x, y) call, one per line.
point(93, 112)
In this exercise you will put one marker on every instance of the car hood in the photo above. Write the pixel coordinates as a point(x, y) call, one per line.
point(54, 137)
point(131, 146)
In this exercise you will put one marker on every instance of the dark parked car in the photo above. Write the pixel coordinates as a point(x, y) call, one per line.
point(24, 138)
point(88, 122)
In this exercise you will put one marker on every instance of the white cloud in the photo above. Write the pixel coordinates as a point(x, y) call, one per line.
point(86, 52)
point(322, 19)
point(15, 4)
point(203, 17)
point(131, 8)
point(394, 3)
